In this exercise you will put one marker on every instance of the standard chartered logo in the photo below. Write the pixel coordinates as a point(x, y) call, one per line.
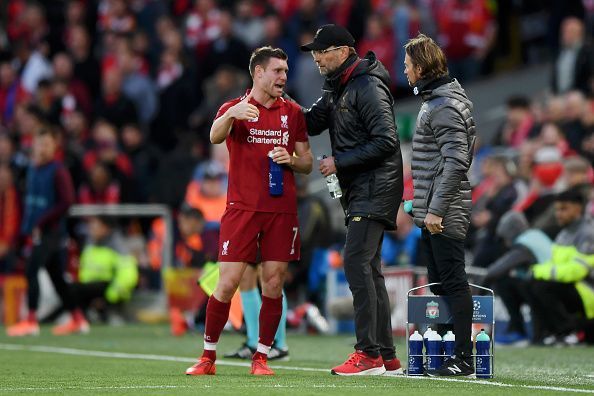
point(267, 136)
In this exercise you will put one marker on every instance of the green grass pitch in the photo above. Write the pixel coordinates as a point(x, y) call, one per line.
point(146, 360)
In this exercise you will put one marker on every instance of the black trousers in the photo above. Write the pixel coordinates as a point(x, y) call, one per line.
point(444, 258)
point(84, 293)
point(514, 292)
point(362, 266)
point(48, 253)
point(558, 306)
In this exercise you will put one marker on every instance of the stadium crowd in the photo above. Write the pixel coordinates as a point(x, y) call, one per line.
point(129, 90)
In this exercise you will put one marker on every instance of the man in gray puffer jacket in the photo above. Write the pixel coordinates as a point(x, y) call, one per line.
point(442, 154)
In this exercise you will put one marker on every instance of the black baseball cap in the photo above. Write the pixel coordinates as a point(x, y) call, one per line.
point(328, 36)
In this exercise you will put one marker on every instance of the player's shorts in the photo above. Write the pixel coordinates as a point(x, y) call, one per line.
point(276, 235)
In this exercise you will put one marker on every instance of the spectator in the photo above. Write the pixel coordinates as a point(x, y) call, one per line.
point(12, 91)
point(101, 188)
point(193, 243)
point(136, 86)
point(497, 200)
point(48, 196)
point(176, 97)
point(574, 64)
point(113, 105)
point(563, 298)
point(379, 39)
point(107, 272)
point(228, 48)
point(86, 67)
point(145, 160)
point(209, 192)
point(526, 246)
point(573, 127)
point(9, 220)
point(35, 65)
point(225, 84)
point(248, 26)
point(202, 26)
point(467, 32)
point(519, 124)
point(114, 16)
point(105, 149)
point(307, 80)
point(63, 70)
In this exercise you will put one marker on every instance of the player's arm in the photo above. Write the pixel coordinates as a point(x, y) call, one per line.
point(221, 127)
point(301, 161)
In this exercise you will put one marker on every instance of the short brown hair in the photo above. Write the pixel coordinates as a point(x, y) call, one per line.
point(425, 53)
point(262, 55)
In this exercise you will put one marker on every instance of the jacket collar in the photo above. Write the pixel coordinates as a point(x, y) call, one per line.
point(341, 75)
point(424, 86)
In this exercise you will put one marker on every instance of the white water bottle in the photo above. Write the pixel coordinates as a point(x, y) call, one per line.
point(449, 341)
point(333, 184)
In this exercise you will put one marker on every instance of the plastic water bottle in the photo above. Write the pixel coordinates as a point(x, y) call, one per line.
point(434, 351)
point(275, 177)
point(449, 341)
point(483, 355)
point(415, 354)
point(333, 184)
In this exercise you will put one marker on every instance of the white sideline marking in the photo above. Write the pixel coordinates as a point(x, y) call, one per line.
point(96, 388)
point(122, 355)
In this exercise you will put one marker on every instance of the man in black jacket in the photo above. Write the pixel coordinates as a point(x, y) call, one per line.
point(358, 110)
point(442, 154)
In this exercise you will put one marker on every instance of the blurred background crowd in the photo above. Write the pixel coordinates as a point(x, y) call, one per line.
point(130, 88)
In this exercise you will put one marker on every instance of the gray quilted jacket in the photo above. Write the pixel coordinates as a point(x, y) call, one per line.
point(442, 153)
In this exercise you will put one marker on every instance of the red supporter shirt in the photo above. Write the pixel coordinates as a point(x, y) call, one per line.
point(249, 142)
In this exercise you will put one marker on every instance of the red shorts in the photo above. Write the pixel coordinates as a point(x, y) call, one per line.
point(243, 232)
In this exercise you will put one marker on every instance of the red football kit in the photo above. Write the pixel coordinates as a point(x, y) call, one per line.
point(253, 217)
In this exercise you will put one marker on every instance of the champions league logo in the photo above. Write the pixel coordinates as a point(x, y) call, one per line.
point(477, 315)
point(432, 310)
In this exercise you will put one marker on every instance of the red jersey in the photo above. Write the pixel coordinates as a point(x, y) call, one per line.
point(249, 142)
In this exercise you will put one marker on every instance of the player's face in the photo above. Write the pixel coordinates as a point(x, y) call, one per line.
point(274, 77)
point(413, 74)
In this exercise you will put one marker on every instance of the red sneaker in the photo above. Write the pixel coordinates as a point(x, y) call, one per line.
point(205, 366)
point(260, 367)
point(359, 363)
point(23, 328)
point(393, 367)
point(72, 327)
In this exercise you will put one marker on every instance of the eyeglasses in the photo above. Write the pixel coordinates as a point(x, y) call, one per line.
point(321, 52)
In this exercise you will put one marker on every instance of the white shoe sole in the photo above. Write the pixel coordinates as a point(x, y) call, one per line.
point(394, 373)
point(372, 371)
point(449, 376)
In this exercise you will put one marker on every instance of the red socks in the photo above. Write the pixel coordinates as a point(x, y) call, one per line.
point(217, 314)
point(270, 314)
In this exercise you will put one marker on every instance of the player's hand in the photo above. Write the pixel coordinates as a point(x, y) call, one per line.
point(433, 223)
point(280, 155)
point(327, 166)
point(244, 110)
